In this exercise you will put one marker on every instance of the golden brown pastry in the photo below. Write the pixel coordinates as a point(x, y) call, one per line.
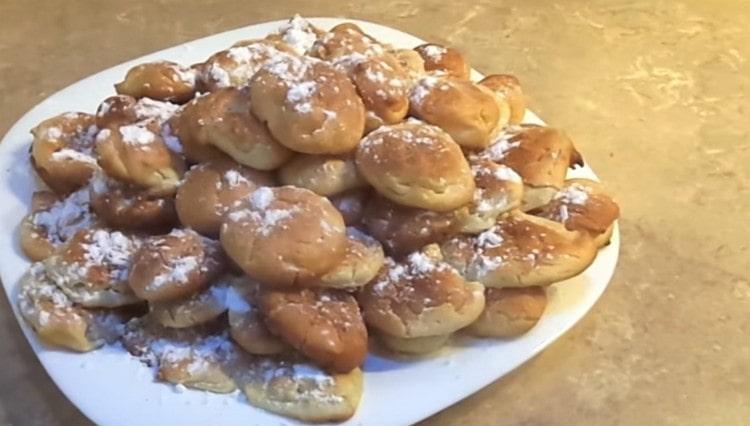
point(198, 308)
point(121, 206)
point(403, 230)
point(175, 266)
point(508, 91)
point(235, 67)
point(468, 112)
point(445, 59)
point(323, 174)
point(57, 320)
point(53, 221)
point(499, 189)
point(246, 323)
point(584, 205)
point(298, 33)
point(540, 155)
point(361, 262)
point(282, 236)
point(61, 152)
point(325, 325)
point(209, 189)
point(308, 105)
point(400, 162)
point(421, 296)
point(302, 391)
point(521, 250)
point(164, 81)
point(137, 155)
point(351, 204)
point(411, 61)
point(92, 268)
point(121, 110)
point(345, 39)
point(509, 312)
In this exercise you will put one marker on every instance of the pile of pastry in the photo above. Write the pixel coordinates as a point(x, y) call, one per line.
point(255, 221)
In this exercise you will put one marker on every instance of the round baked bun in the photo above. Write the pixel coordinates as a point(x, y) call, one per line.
point(343, 40)
point(121, 206)
point(136, 154)
point(509, 312)
point(413, 345)
point(521, 250)
point(445, 59)
point(499, 190)
point(508, 91)
point(324, 325)
point(421, 296)
point(58, 321)
point(198, 308)
point(235, 66)
point(323, 174)
point(175, 266)
point(283, 236)
point(121, 110)
point(540, 155)
point(584, 205)
point(403, 230)
point(361, 262)
point(53, 221)
point(399, 161)
point(468, 112)
point(61, 152)
point(298, 33)
point(165, 81)
point(246, 323)
point(92, 268)
point(300, 390)
point(308, 105)
point(210, 189)
point(351, 204)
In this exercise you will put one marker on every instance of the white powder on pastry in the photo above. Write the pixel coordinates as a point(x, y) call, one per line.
point(299, 34)
point(573, 194)
point(112, 249)
point(147, 108)
point(434, 52)
point(66, 217)
point(135, 134)
point(179, 271)
point(72, 155)
point(234, 178)
point(489, 238)
point(261, 198)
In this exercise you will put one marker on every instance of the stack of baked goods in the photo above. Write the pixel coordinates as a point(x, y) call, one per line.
point(254, 221)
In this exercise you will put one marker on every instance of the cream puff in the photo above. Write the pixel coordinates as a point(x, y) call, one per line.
point(444, 59)
point(235, 66)
point(246, 322)
point(498, 190)
point(163, 80)
point(509, 312)
point(323, 174)
point(507, 90)
point(351, 204)
point(361, 262)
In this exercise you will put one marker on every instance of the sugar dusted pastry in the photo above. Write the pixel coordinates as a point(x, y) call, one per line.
point(411, 61)
point(246, 323)
point(300, 390)
point(361, 262)
point(283, 236)
point(57, 320)
point(351, 204)
point(323, 174)
point(164, 81)
point(62, 151)
point(92, 268)
point(298, 33)
point(209, 190)
point(121, 110)
point(468, 112)
point(198, 308)
point(53, 221)
point(509, 312)
point(420, 297)
point(345, 40)
point(444, 59)
point(195, 357)
point(403, 230)
point(499, 189)
point(175, 266)
point(521, 250)
point(235, 66)
point(324, 325)
point(308, 105)
point(583, 205)
point(136, 154)
point(122, 206)
point(508, 91)
point(399, 161)
point(540, 155)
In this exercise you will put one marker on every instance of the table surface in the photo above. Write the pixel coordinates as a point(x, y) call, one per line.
point(652, 92)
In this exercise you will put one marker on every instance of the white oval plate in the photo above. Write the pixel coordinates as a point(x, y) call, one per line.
point(110, 387)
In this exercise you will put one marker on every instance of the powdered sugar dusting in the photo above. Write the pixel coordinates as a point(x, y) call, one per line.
point(573, 194)
point(66, 217)
point(135, 134)
point(299, 34)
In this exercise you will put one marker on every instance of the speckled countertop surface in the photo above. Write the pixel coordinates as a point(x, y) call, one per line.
point(654, 95)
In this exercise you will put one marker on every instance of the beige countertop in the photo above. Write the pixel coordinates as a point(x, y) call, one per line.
point(652, 92)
